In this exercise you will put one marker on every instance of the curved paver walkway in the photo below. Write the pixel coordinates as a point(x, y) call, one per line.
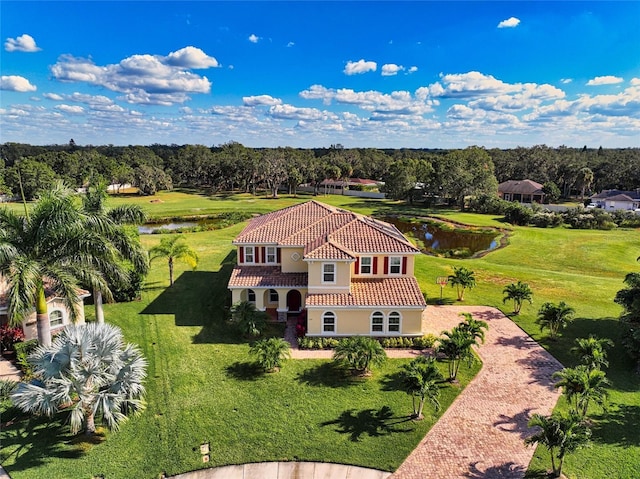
point(481, 434)
point(286, 470)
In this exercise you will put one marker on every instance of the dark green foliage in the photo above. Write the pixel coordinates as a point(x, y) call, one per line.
point(547, 219)
point(271, 353)
point(359, 353)
point(629, 299)
point(23, 350)
point(420, 379)
point(551, 191)
point(593, 219)
point(249, 321)
point(518, 214)
point(554, 317)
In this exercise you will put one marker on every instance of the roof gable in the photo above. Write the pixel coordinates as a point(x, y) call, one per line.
point(526, 187)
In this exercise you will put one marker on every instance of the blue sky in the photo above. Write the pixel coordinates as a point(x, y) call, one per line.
point(312, 74)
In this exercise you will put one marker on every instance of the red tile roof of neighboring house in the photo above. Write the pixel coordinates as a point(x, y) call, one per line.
point(381, 292)
point(313, 224)
point(49, 292)
point(266, 277)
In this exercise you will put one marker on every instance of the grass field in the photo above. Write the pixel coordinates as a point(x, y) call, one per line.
point(197, 377)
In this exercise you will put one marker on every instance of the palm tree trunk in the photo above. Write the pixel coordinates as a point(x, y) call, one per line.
point(170, 271)
point(420, 408)
point(97, 301)
point(90, 421)
point(42, 319)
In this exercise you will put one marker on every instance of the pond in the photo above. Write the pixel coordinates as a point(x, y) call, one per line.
point(150, 228)
point(443, 239)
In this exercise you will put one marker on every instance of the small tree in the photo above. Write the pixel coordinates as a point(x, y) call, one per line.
point(474, 328)
point(271, 353)
point(88, 370)
point(629, 299)
point(581, 386)
point(592, 351)
point(561, 435)
point(456, 346)
point(359, 353)
point(249, 320)
point(518, 293)
point(173, 248)
point(420, 380)
point(462, 279)
point(554, 317)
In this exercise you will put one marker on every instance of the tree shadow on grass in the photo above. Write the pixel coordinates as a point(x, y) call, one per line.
point(369, 422)
point(619, 426)
point(440, 302)
point(29, 441)
point(502, 471)
point(244, 371)
point(327, 374)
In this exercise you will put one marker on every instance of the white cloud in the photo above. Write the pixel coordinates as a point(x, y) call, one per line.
point(72, 109)
point(147, 79)
point(52, 96)
point(635, 82)
point(254, 38)
point(566, 81)
point(412, 69)
point(191, 57)
point(361, 66)
point(391, 69)
point(16, 83)
point(260, 100)
point(509, 23)
point(605, 80)
point(290, 112)
point(24, 43)
point(290, 44)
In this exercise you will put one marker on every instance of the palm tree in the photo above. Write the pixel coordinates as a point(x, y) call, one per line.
point(592, 352)
point(359, 353)
point(585, 178)
point(173, 248)
point(475, 328)
point(88, 370)
point(51, 250)
point(554, 317)
point(580, 386)
point(456, 346)
point(560, 434)
point(250, 321)
point(420, 379)
point(518, 292)
point(462, 278)
point(271, 353)
point(126, 242)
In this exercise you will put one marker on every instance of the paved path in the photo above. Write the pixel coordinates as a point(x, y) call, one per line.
point(9, 371)
point(286, 470)
point(481, 434)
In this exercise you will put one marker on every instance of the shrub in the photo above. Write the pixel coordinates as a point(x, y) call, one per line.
point(487, 204)
point(546, 219)
point(6, 388)
point(518, 214)
point(426, 341)
point(579, 218)
point(9, 336)
point(23, 350)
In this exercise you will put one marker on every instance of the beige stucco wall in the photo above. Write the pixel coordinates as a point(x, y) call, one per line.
point(263, 297)
point(29, 325)
point(343, 277)
point(351, 322)
point(288, 265)
point(381, 271)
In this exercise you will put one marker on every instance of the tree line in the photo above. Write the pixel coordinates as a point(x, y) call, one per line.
point(448, 174)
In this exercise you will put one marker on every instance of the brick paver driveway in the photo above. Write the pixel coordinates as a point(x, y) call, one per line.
point(481, 434)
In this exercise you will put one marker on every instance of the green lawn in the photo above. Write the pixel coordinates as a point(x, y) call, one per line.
point(197, 377)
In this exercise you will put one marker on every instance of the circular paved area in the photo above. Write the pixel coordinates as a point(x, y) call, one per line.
point(482, 433)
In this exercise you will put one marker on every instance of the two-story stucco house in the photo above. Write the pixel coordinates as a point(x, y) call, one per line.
point(353, 274)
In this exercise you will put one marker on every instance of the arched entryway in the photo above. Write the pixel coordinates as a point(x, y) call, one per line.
point(294, 301)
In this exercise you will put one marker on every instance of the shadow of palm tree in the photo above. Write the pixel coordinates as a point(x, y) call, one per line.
point(507, 470)
point(619, 426)
point(516, 423)
point(541, 367)
point(369, 422)
point(326, 374)
point(244, 371)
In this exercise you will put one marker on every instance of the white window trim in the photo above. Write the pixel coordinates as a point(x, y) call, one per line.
point(249, 292)
point(383, 324)
point(334, 273)
point(253, 254)
point(274, 254)
point(335, 324)
point(399, 273)
point(370, 265)
point(61, 318)
point(399, 322)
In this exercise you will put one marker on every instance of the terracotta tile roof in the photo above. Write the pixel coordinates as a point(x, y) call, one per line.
point(278, 225)
point(365, 235)
point(314, 223)
point(400, 291)
point(322, 249)
point(266, 277)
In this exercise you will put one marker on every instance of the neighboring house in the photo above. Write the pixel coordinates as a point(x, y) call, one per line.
point(522, 191)
point(352, 274)
point(59, 315)
point(617, 200)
